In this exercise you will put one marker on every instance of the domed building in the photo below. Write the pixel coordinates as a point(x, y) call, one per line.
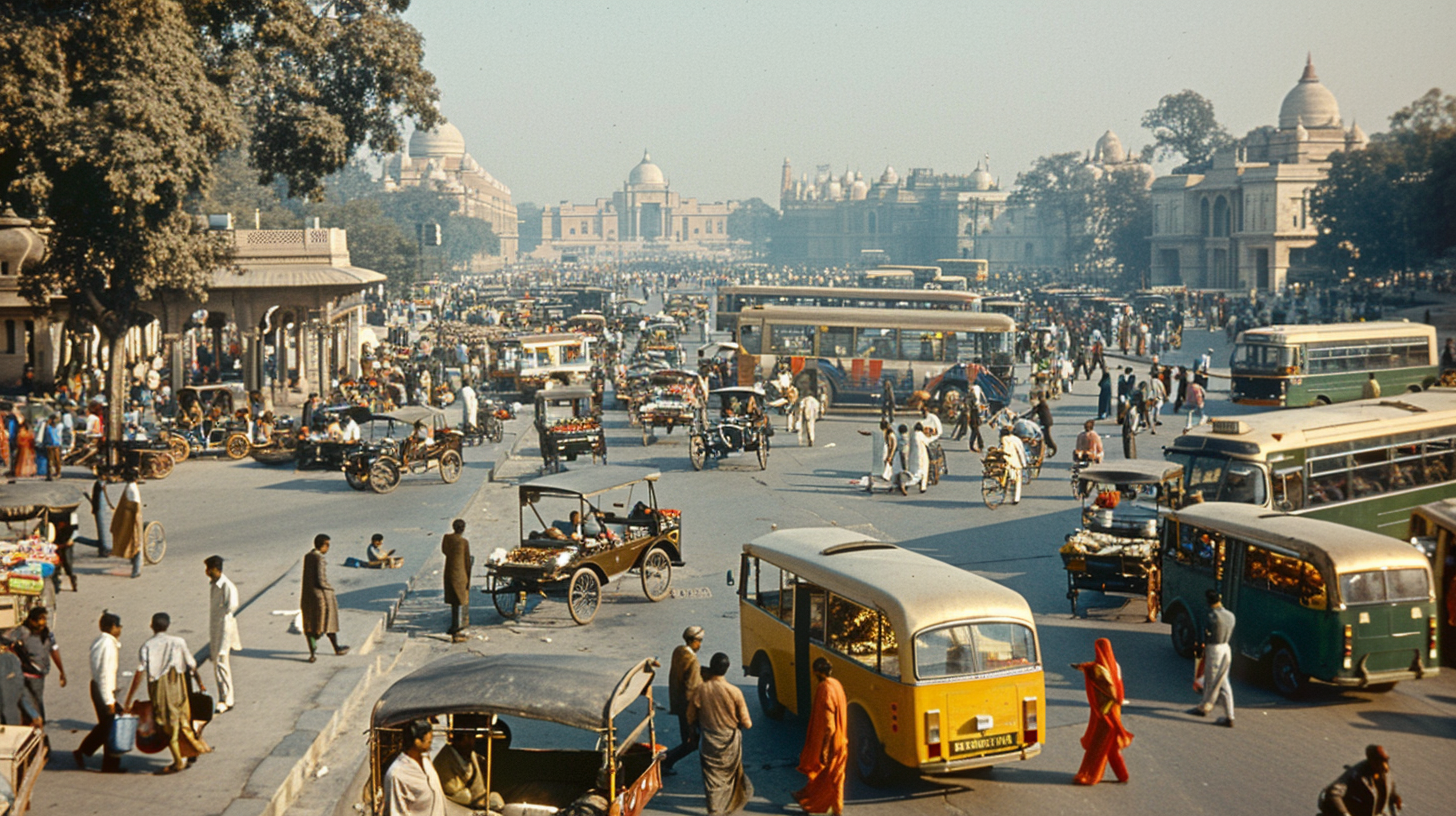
point(437, 159)
point(644, 215)
point(1245, 223)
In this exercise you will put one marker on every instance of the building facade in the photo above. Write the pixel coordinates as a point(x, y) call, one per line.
point(644, 216)
point(834, 220)
point(437, 159)
point(1245, 224)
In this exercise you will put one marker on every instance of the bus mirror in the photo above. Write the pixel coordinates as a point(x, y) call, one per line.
point(1286, 506)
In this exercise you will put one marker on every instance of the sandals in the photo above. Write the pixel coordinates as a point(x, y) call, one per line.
point(170, 769)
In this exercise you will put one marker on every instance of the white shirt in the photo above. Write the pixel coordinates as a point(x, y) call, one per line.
point(1015, 451)
point(931, 423)
point(105, 656)
point(164, 652)
point(222, 625)
point(412, 788)
point(351, 431)
point(467, 396)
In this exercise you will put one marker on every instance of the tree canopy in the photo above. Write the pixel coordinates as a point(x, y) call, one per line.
point(1183, 124)
point(1103, 214)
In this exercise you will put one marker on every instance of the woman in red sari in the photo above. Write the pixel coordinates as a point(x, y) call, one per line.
point(1105, 737)
point(25, 450)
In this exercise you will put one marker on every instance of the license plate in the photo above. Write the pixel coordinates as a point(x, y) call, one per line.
point(969, 746)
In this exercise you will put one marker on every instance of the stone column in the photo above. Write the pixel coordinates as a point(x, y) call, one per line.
point(300, 341)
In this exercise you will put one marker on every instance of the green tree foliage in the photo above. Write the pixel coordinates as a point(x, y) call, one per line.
point(1183, 124)
point(1104, 215)
point(1389, 207)
point(753, 222)
point(528, 230)
point(115, 110)
point(1123, 221)
point(1059, 187)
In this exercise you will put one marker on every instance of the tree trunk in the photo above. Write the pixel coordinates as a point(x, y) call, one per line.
point(116, 393)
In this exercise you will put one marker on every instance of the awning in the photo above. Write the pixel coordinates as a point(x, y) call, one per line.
point(577, 690)
point(1131, 471)
point(27, 500)
point(284, 276)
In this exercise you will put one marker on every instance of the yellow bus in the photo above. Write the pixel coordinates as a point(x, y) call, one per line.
point(890, 279)
point(941, 667)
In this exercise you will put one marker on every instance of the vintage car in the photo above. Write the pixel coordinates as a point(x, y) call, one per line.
point(668, 398)
point(559, 697)
point(1116, 550)
point(612, 540)
point(395, 447)
point(568, 426)
point(224, 437)
point(741, 427)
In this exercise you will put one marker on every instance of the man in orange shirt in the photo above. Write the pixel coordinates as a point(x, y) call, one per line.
point(826, 746)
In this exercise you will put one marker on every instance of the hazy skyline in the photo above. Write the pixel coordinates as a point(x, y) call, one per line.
point(559, 100)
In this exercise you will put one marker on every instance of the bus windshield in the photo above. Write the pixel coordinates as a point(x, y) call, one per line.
point(1384, 586)
point(1262, 357)
point(973, 648)
point(1221, 479)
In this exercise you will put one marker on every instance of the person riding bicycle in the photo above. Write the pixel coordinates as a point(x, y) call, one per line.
point(1089, 445)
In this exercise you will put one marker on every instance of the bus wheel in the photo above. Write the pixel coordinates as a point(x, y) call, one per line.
point(1288, 679)
point(1322, 400)
point(768, 691)
point(871, 764)
point(1183, 634)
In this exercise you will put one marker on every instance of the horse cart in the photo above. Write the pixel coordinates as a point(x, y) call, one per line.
point(590, 542)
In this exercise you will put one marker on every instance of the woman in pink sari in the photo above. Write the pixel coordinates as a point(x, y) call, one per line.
point(1105, 737)
point(24, 450)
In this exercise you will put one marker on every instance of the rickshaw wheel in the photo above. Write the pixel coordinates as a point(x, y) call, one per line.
point(697, 451)
point(154, 542)
point(450, 467)
point(762, 454)
point(159, 465)
point(180, 447)
point(495, 430)
point(356, 480)
point(656, 574)
point(584, 595)
point(993, 491)
point(508, 597)
point(383, 476)
point(1034, 471)
point(238, 446)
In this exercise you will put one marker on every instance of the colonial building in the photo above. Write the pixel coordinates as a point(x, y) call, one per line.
point(1245, 223)
point(832, 220)
point(437, 159)
point(645, 215)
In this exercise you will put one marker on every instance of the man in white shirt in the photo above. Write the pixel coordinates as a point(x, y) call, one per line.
point(411, 785)
point(105, 657)
point(351, 431)
point(222, 629)
point(165, 661)
point(808, 414)
point(1015, 452)
point(471, 405)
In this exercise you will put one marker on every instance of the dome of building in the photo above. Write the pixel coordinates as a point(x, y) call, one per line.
point(889, 176)
point(859, 190)
point(1309, 101)
point(835, 191)
point(442, 142)
point(1109, 149)
point(646, 172)
point(1356, 139)
point(981, 178)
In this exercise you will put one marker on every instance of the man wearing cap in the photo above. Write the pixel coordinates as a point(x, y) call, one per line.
point(682, 683)
point(1365, 789)
point(1217, 660)
point(222, 629)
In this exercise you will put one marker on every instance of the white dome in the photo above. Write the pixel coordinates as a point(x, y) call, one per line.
point(1311, 102)
point(981, 178)
point(836, 191)
point(1109, 149)
point(444, 141)
point(889, 176)
point(859, 190)
point(646, 172)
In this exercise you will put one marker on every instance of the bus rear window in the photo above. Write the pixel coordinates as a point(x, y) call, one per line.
point(1384, 586)
point(973, 648)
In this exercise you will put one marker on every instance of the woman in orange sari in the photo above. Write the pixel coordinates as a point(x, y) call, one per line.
point(1105, 737)
point(24, 450)
point(826, 746)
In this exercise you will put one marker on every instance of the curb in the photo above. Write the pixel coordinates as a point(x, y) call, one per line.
point(277, 781)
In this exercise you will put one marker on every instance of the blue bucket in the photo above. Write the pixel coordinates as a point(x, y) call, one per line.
point(123, 734)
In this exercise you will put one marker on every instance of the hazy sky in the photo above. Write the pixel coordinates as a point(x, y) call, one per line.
point(559, 99)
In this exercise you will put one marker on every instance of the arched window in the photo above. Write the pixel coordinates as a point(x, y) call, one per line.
point(1221, 217)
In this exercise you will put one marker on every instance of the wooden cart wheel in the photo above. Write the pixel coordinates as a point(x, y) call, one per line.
point(384, 475)
point(763, 453)
point(508, 596)
point(450, 467)
point(238, 446)
point(697, 451)
point(584, 595)
point(180, 447)
point(993, 490)
point(656, 574)
point(154, 542)
point(157, 464)
point(356, 478)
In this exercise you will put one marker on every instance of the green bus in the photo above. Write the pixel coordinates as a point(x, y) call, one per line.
point(1318, 601)
point(1363, 464)
point(1319, 365)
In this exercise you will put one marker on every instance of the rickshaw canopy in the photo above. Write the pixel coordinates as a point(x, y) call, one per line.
point(411, 414)
point(1132, 471)
point(28, 500)
point(567, 392)
point(593, 482)
point(575, 690)
point(738, 391)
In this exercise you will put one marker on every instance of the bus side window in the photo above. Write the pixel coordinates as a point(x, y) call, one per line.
point(750, 338)
point(775, 592)
point(1197, 548)
point(816, 613)
point(853, 631)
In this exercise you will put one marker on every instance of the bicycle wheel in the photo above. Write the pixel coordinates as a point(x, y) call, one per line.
point(993, 490)
point(154, 542)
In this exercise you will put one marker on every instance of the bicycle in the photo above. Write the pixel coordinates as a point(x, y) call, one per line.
point(995, 478)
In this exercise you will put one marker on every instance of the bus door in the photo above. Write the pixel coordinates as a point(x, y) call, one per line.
point(1443, 572)
point(808, 629)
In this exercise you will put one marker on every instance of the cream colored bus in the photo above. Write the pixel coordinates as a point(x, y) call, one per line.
point(941, 667)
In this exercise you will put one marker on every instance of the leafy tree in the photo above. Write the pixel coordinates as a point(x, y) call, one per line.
point(528, 230)
point(235, 189)
point(375, 240)
point(1123, 220)
point(1183, 124)
point(1059, 187)
point(464, 238)
point(115, 111)
point(753, 222)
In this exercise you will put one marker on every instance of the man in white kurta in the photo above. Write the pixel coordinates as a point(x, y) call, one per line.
point(222, 629)
point(808, 411)
point(411, 785)
point(470, 403)
point(1015, 452)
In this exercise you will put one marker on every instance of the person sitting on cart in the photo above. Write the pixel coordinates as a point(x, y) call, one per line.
point(417, 441)
point(1089, 444)
point(350, 431)
point(458, 766)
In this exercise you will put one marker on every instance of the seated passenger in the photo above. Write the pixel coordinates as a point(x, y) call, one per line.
point(461, 779)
